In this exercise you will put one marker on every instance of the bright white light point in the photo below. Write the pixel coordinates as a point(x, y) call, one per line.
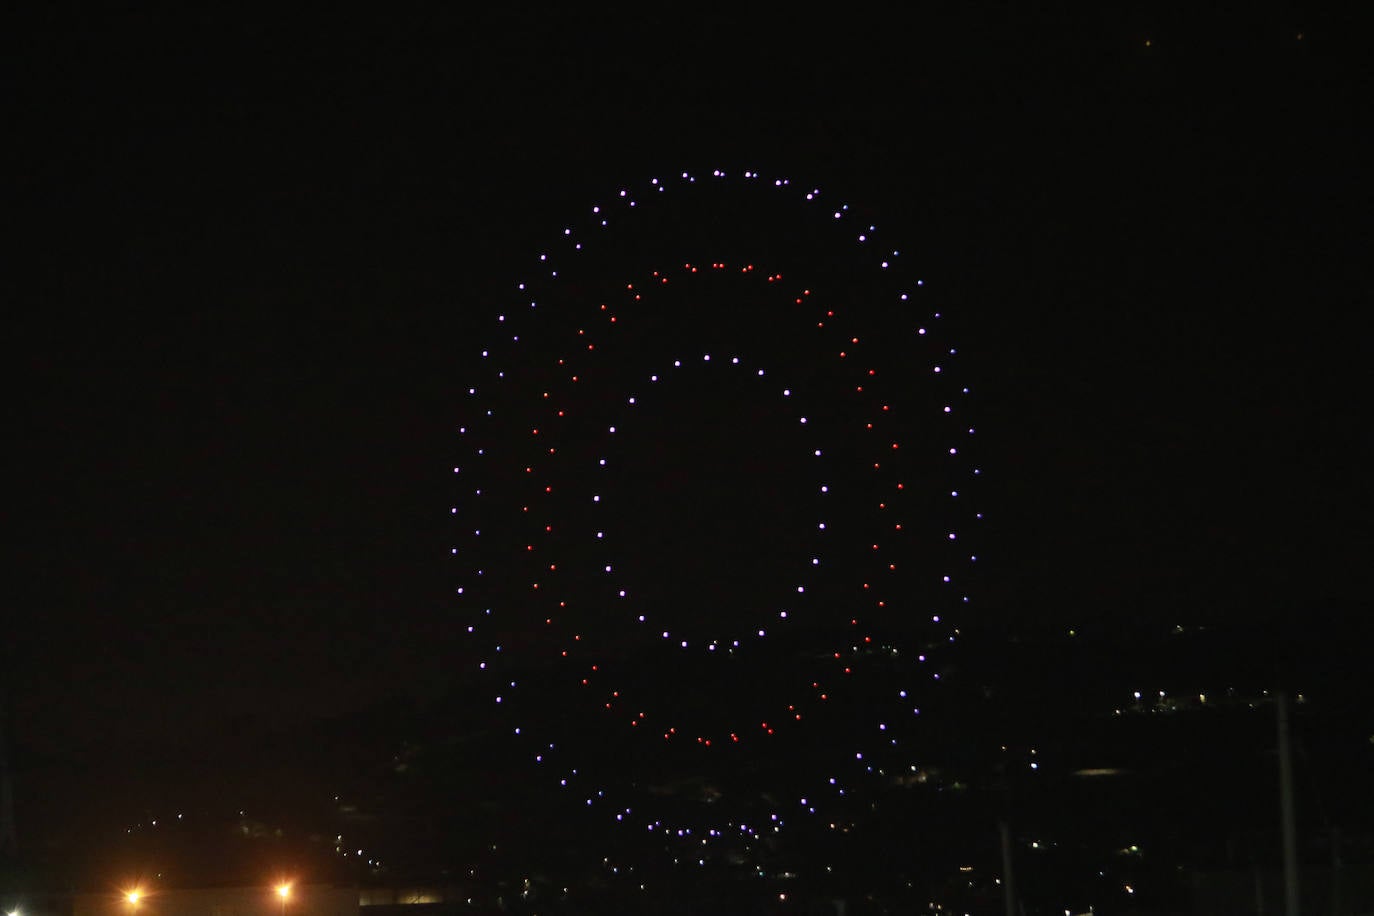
point(665, 634)
point(825, 489)
point(632, 400)
point(787, 392)
point(920, 330)
point(802, 420)
point(608, 567)
point(677, 363)
point(684, 644)
point(734, 361)
point(599, 535)
point(801, 588)
point(951, 535)
point(641, 618)
point(760, 632)
point(953, 492)
point(621, 593)
point(821, 526)
point(815, 561)
point(706, 357)
point(817, 452)
point(760, 372)
point(653, 378)
point(596, 499)
point(782, 614)
point(937, 369)
point(602, 462)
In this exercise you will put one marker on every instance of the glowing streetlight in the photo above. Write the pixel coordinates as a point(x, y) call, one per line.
point(283, 891)
point(133, 896)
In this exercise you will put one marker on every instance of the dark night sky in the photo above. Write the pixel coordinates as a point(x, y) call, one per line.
point(253, 252)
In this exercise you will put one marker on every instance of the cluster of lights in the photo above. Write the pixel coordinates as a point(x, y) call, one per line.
point(568, 377)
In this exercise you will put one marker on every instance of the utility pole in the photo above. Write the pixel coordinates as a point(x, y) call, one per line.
point(1008, 885)
point(9, 846)
point(1288, 815)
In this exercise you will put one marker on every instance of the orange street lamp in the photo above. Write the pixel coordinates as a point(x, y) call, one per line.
point(283, 891)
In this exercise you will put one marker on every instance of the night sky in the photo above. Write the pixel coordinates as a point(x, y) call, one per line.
point(255, 259)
